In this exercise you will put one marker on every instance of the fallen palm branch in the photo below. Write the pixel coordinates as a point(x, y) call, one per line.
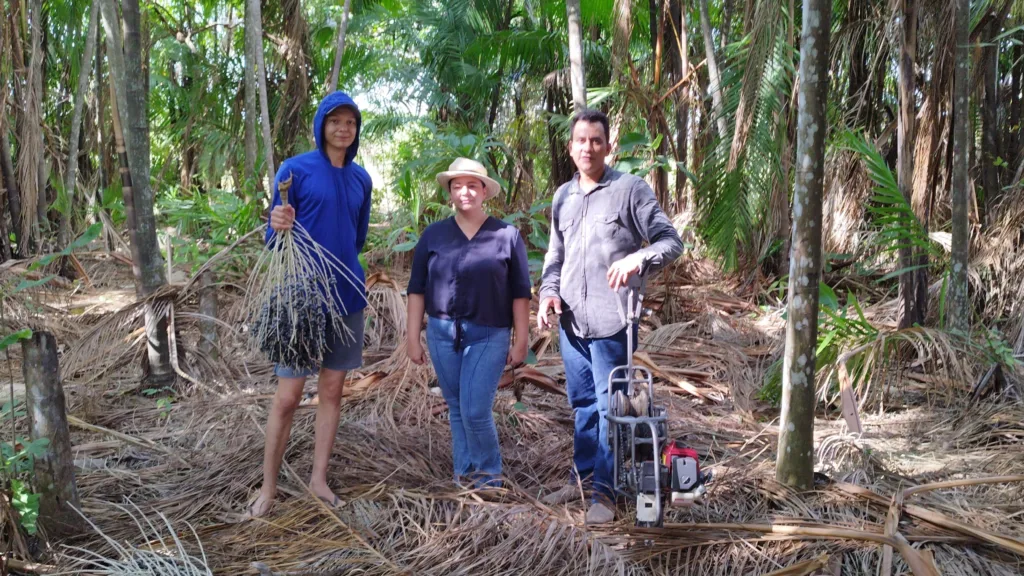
point(160, 555)
point(1013, 545)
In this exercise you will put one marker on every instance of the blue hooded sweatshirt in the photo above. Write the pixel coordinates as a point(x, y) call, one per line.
point(332, 204)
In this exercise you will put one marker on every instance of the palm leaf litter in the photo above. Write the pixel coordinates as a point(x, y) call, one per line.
point(931, 485)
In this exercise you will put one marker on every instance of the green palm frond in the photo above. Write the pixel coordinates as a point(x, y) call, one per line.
point(733, 204)
point(890, 213)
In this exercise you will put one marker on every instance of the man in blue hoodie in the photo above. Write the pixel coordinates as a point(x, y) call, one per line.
point(330, 198)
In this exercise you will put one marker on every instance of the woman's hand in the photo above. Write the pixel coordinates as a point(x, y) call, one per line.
point(415, 350)
point(517, 354)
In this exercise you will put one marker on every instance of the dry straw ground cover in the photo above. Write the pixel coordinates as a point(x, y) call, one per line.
point(163, 484)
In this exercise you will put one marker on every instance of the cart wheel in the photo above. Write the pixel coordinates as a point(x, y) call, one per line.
point(619, 404)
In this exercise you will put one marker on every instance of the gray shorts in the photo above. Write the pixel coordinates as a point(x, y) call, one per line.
point(340, 355)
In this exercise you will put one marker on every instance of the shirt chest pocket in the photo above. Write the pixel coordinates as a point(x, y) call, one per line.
point(610, 227)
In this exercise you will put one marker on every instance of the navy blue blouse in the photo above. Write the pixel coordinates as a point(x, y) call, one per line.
point(474, 280)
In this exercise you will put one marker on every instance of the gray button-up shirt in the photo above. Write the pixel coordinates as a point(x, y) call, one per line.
point(591, 231)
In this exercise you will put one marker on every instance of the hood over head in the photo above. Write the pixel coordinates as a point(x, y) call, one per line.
point(331, 102)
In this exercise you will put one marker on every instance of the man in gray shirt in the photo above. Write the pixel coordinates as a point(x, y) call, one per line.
point(599, 222)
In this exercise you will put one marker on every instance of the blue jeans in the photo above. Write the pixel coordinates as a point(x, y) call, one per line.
point(468, 371)
point(588, 362)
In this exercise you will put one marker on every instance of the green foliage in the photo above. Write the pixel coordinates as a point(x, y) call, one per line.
point(734, 204)
point(207, 223)
point(16, 462)
point(840, 327)
point(892, 217)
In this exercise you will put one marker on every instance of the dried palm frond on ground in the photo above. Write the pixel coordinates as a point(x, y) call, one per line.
point(197, 461)
point(156, 557)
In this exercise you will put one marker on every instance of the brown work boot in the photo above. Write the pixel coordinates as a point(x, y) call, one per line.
point(600, 513)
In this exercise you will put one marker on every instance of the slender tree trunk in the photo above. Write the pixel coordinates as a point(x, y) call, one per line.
point(659, 176)
point(1011, 132)
point(13, 191)
point(679, 47)
point(727, 10)
point(104, 164)
point(137, 138)
point(492, 115)
point(126, 188)
point(55, 468)
point(558, 100)
point(132, 135)
point(958, 309)
point(990, 119)
point(251, 46)
point(256, 31)
point(42, 222)
point(71, 172)
point(30, 134)
point(115, 62)
point(911, 312)
point(289, 127)
point(715, 79)
point(340, 51)
point(577, 66)
point(795, 464)
point(622, 32)
point(160, 370)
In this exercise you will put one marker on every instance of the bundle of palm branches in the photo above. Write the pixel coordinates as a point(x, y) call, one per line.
point(161, 555)
point(292, 310)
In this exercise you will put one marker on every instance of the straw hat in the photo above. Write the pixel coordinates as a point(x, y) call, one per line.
point(467, 167)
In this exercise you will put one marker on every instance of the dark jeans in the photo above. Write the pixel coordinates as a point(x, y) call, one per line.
point(588, 363)
point(468, 377)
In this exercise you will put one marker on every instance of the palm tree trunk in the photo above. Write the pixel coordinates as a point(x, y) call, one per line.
point(39, 13)
point(137, 139)
point(104, 163)
point(71, 173)
point(132, 132)
point(680, 50)
point(30, 136)
point(660, 176)
point(713, 75)
point(1011, 140)
point(990, 119)
point(795, 460)
point(911, 311)
point(622, 32)
point(957, 303)
point(342, 29)
point(250, 111)
point(13, 191)
point(255, 30)
point(289, 127)
point(577, 67)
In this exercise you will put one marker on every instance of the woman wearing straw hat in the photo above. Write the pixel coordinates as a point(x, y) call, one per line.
point(470, 275)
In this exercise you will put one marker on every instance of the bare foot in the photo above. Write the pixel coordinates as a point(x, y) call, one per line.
point(324, 493)
point(261, 505)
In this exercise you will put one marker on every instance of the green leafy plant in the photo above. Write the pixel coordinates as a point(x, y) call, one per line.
point(16, 458)
point(164, 402)
point(891, 214)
